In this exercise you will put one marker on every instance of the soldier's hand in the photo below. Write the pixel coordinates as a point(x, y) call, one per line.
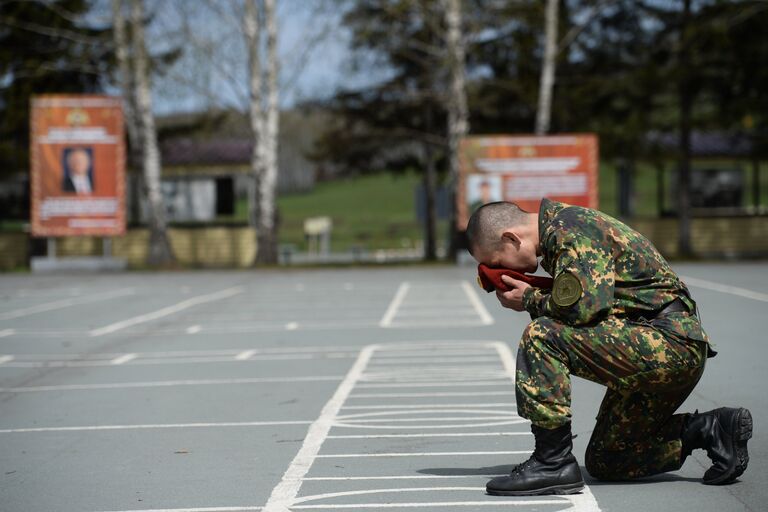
point(513, 299)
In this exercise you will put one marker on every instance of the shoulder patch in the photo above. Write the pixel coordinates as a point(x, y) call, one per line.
point(566, 290)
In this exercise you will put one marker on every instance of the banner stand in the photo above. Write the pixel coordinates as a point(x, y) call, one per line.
point(52, 263)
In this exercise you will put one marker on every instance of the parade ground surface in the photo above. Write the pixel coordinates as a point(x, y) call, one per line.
point(360, 389)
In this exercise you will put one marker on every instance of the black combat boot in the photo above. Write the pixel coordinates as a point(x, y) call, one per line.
point(724, 434)
point(552, 469)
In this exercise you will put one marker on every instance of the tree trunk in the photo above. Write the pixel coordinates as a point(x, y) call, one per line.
point(684, 166)
point(547, 81)
point(160, 252)
point(265, 126)
point(430, 185)
point(458, 117)
point(267, 251)
point(251, 30)
point(122, 52)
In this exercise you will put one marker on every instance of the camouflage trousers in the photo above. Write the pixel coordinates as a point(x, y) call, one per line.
point(648, 372)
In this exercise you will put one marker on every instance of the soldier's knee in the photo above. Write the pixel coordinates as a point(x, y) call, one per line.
point(597, 464)
point(540, 329)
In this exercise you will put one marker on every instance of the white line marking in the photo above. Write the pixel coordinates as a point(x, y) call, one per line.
point(168, 383)
point(5, 359)
point(123, 359)
point(480, 309)
point(284, 494)
point(194, 329)
point(245, 355)
point(437, 504)
point(65, 303)
point(459, 384)
point(724, 288)
point(425, 395)
point(168, 361)
point(419, 454)
point(397, 300)
point(291, 326)
point(436, 419)
point(169, 310)
point(441, 434)
point(7, 332)
point(548, 500)
point(194, 509)
point(397, 477)
point(161, 425)
point(429, 406)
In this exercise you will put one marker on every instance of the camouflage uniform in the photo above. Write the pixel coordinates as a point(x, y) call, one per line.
point(608, 279)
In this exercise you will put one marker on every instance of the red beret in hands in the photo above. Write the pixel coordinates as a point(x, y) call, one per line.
point(490, 280)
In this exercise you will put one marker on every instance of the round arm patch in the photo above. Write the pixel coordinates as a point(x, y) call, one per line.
point(566, 290)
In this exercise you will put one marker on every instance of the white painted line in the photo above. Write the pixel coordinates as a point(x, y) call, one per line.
point(170, 361)
point(419, 454)
point(425, 395)
point(441, 434)
point(397, 477)
point(291, 326)
point(194, 329)
point(460, 384)
point(437, 504)
point(123, 359)
point(480, 308)
point(193, 509)
point(170, 383)
point(397, 300)
point(7, 332)
point(433, 360)
point(155, 426)
point(5, 359)
point(724, 288)
point(284, 494)
point(245, 355)
point(435, 418)
point(491, 502)
point(429, 406)
point(65, 303)
point(169, 310)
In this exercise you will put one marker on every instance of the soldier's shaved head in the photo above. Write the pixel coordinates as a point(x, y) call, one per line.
point(489, 221)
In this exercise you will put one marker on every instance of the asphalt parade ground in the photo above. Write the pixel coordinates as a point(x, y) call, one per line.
point(364, 389)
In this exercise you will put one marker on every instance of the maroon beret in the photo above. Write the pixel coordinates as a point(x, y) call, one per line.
point(489, 278)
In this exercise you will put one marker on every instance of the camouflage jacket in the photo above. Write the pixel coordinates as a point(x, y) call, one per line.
point(603, 267)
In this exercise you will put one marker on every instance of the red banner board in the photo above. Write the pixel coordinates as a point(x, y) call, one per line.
point(524, 169)
point(77, 165)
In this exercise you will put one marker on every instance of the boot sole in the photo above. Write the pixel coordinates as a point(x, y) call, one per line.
point(555, 489)
point(741, 426)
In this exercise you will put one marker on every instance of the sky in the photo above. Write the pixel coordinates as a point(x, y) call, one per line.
point(313, 47)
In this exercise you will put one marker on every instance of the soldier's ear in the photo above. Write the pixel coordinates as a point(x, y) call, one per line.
point(509, 236)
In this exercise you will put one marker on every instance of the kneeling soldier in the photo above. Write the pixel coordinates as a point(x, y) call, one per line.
point(616, 315)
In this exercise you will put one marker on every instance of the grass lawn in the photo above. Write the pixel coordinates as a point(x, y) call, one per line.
point(369, 212)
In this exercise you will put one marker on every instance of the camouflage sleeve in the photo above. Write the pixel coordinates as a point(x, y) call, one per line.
point(583, 287)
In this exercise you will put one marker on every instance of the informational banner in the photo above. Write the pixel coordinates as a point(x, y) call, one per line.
point(77, 165)
point(525, 169)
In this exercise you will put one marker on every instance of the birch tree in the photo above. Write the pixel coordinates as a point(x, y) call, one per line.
point(264, 117)
point(547, 82)
point(160, 251)
point(456, 102)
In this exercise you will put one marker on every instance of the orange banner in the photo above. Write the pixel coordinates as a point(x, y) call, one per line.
point(77, 165)
point(525, 169)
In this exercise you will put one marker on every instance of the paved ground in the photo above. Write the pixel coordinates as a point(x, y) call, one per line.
point(346, 389)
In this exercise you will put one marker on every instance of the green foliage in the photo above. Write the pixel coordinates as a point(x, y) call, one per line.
point(44, 49)
point(622, 76)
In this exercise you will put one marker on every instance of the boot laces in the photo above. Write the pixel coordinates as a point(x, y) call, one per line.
point(522, 466)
